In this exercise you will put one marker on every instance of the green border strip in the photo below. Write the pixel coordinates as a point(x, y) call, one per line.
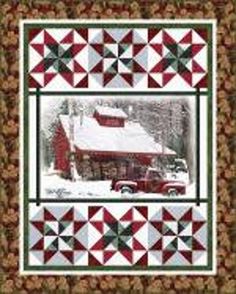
point(197, 142)
point(210, 147)
point(110, 93)
point(119, 268)
point(131, 25)
point(26, 144)
point(113, 200)
point(26, 153)
point(38, 147)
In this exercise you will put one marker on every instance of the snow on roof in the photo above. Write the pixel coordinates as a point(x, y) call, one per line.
point(109, 111)
point(132, 138)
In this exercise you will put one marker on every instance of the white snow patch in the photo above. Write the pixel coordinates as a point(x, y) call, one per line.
point(54, 186)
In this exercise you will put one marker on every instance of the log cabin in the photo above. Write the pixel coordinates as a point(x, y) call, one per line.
point(105, 145)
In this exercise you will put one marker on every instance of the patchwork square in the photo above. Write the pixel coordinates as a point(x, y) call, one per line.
point(121, 57)
point(180, 235)
point(59, 55)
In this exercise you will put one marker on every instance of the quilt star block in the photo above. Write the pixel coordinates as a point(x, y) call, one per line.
point(118, 237)
point(178, 55)
point(180, 235)
point(62, 56)
point(121, 57)
point(58, 232)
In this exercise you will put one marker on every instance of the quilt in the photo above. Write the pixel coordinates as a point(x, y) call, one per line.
point(118, 147)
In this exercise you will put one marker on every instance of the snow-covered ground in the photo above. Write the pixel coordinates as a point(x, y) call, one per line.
point(53, 186)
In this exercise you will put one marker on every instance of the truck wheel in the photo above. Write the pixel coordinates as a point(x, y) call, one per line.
point(172, 192)
point(126, 189)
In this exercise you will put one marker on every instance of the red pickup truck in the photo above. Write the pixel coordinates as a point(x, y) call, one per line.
point(152, 182)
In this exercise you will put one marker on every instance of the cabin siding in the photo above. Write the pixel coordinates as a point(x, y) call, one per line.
point(61, 149)
point(109, 121)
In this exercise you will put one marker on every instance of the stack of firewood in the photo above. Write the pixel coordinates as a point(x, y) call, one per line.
point(93, 170)
point(86, 167)
point(121, 170)
point(109, 170)
point(96, 169)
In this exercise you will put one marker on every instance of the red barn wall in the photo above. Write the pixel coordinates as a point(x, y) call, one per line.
point(61, 149)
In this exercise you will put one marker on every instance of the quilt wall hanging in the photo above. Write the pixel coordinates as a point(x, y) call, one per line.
point(118, 147)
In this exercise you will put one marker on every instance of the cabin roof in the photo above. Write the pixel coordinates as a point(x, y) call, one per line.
point(132, 138)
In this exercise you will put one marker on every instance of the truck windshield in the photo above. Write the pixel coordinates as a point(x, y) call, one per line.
point(153, 175)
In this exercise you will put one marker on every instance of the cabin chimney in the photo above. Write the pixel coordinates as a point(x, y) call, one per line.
point(130, 110)
point(110, 117)
point(81, 115)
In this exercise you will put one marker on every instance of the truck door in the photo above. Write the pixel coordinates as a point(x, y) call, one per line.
point(153, 181)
